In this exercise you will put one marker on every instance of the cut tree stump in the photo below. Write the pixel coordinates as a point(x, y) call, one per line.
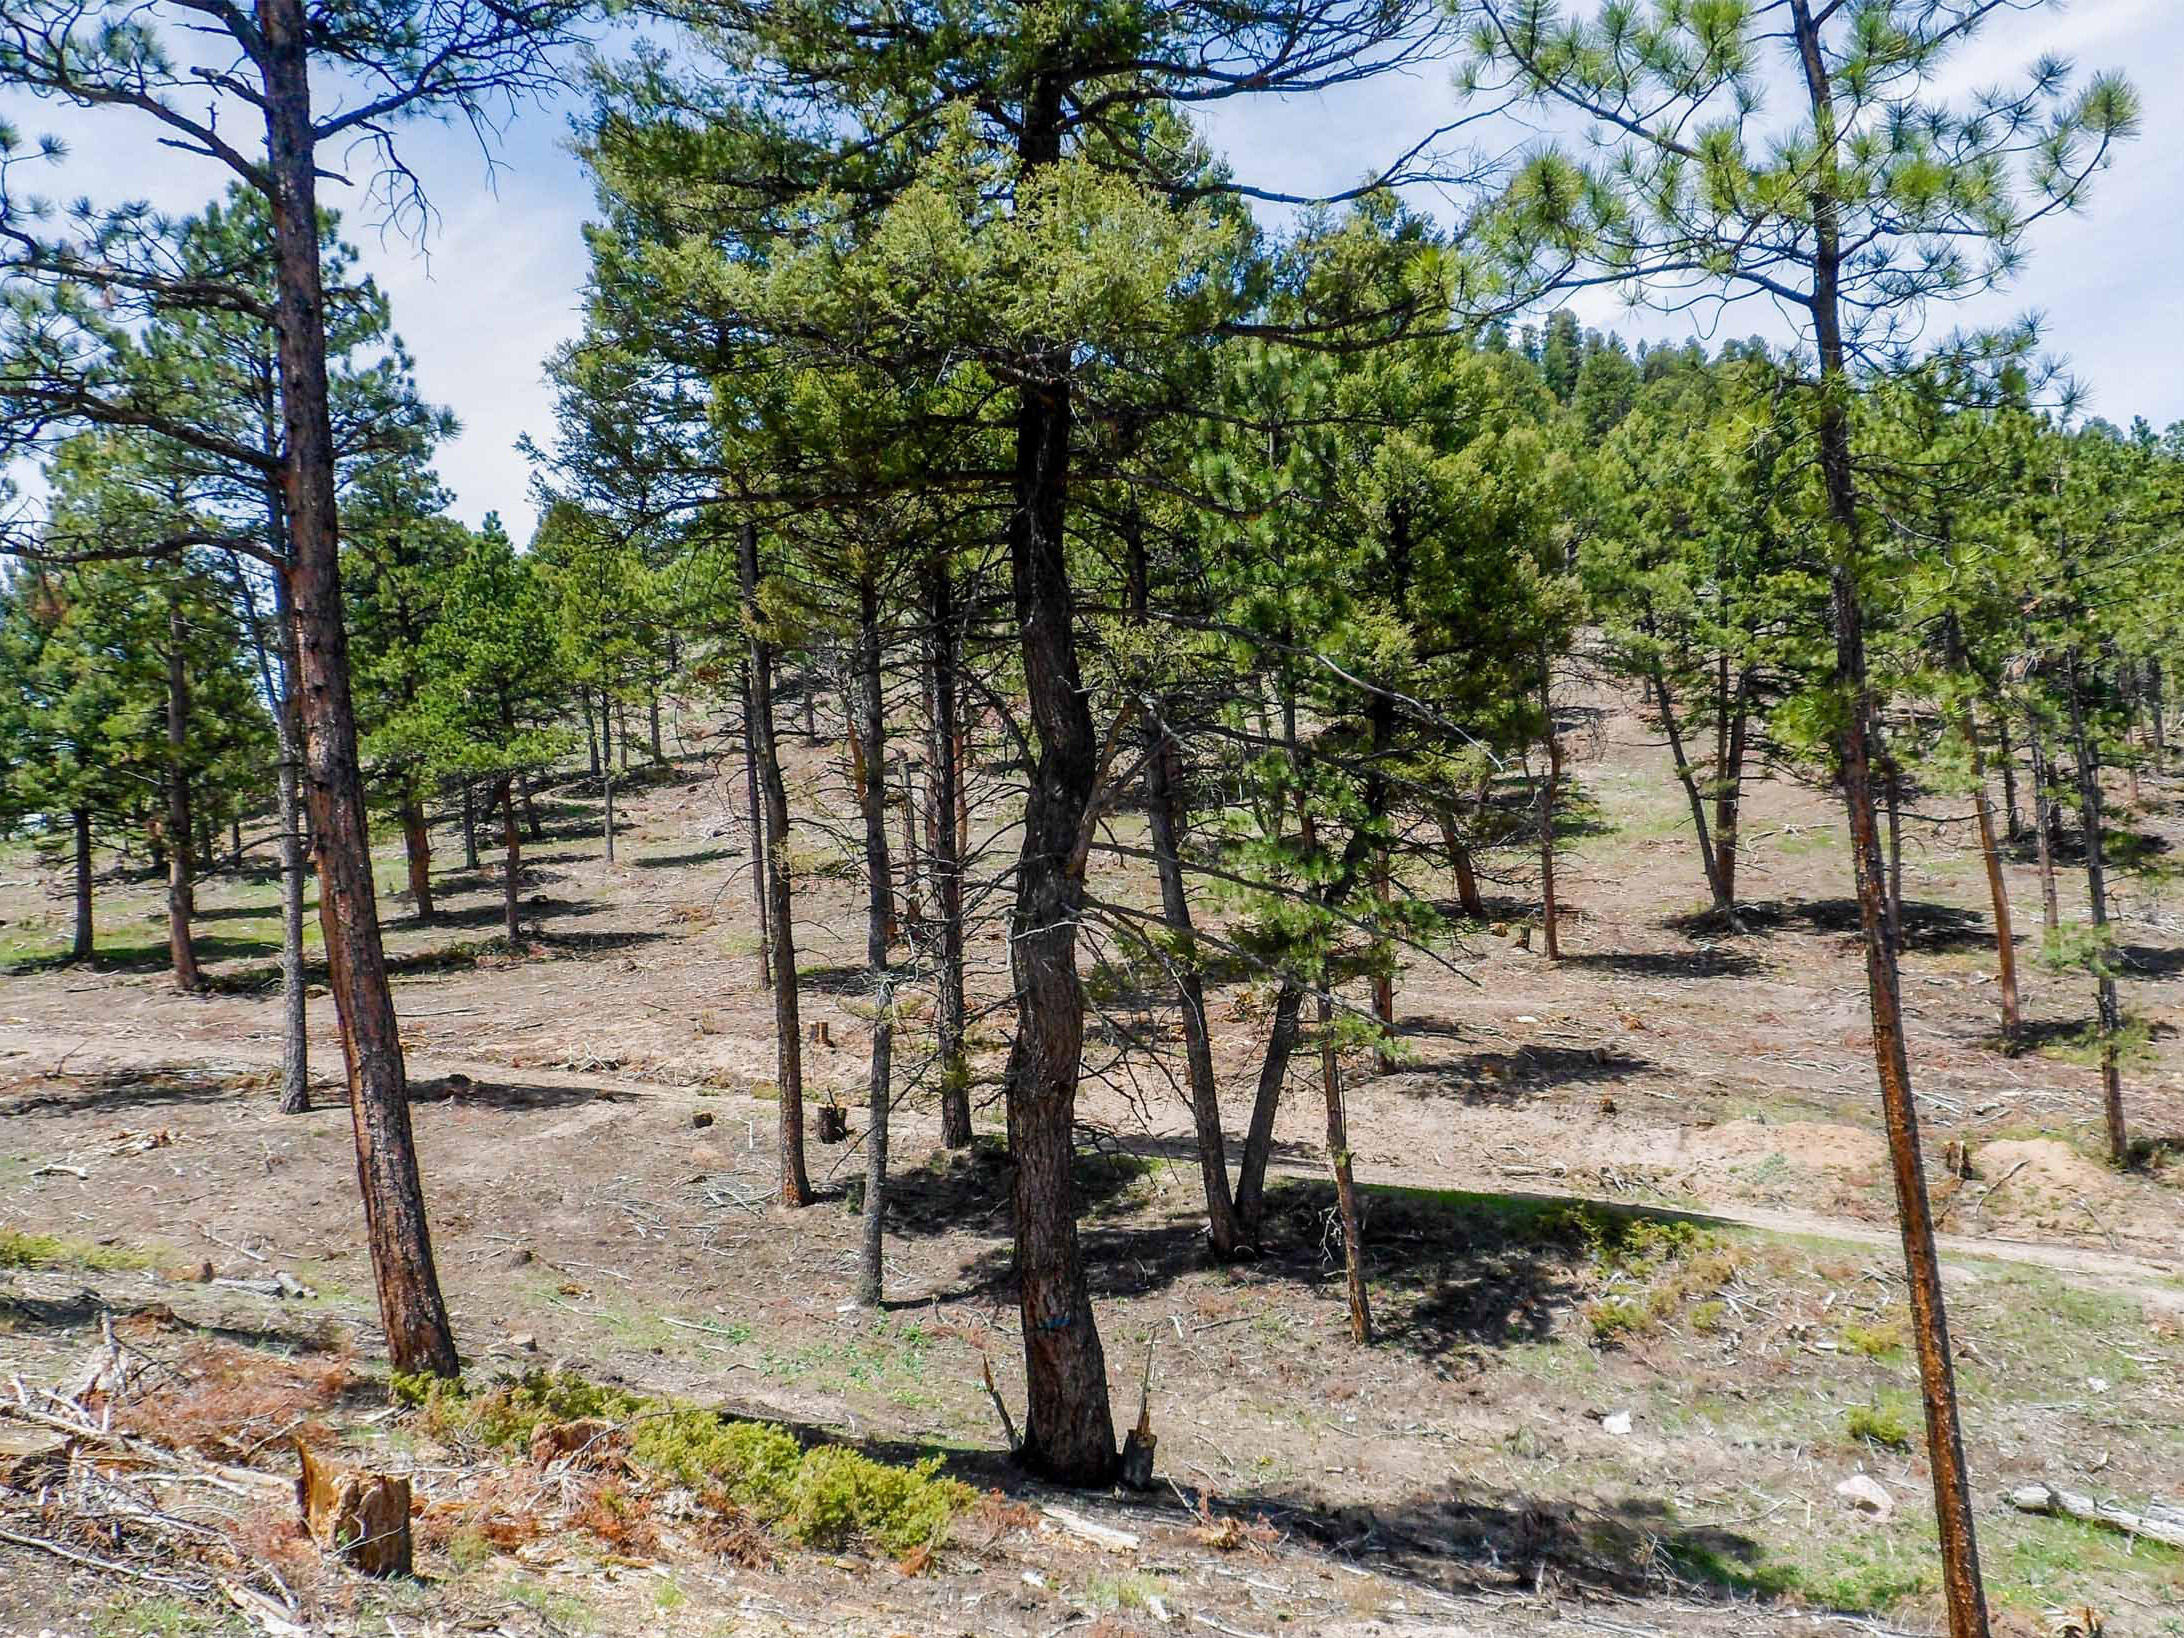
point(360, 1516)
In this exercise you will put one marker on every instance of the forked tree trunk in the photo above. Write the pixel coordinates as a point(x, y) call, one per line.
point(944, 852)
point(511, 869)
point(411, 1310)
point(181, 860)
point(879, 917)
point(757, 814)
point(795, 1185)
point(417, 852)
point(1966, 1598)
point(81, 947)
point(2096, 888)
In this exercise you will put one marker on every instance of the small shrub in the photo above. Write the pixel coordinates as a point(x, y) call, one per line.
point(1613, 1318)
point(1878, 1425)
point(1707, 1317)
point(1885, 1336)
point(19, 1250)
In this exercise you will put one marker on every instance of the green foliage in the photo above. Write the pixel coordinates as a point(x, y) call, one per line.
point(1879, 1425)
point(21, 1250)
point(824, 1496)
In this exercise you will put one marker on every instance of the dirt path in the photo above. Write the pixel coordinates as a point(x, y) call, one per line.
point(2145, 1278)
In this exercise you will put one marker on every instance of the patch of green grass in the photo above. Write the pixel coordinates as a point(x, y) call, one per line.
point(162, 1618)
point(20, 1250)
point(824, 1496)
point(1123, 1592)
point(1863, 1582)
point(1879, 1425)
point(1883, 1339)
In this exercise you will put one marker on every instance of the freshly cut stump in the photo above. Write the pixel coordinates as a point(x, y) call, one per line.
point(357, 1515)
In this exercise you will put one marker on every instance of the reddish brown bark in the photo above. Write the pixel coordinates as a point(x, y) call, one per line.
point(411, 1310)
point(181, 857)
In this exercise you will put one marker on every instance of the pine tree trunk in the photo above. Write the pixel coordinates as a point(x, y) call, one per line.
point(2043, 826)
point(1338, 1159)
point(1069, 1432)
point(411, 1311)
point(1548, 911)
point(417, 851)
point(1165, 820)
point(913, 876)
point(1729, 792)
point(943, 848)
point(652, 705)
point(606, 824)
point(780, 906)
point(2156, 716)
point(2096, 887)
point(1687, 776)
point(535, 830)
point(181, 861)
point(81, 948)
point(295, 1029)
point(511, 869)
point(591, 730)
point(2006, 753)
point(1892, 789)
point(1281, 1045)
point(1459, 859)
point(879, 919)
point(758, 830)
point(470, 826)
point(1962, 1588)
point(1990, 851)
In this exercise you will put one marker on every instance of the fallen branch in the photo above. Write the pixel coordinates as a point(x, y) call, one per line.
point(1008, 1427)
point(186, 1583)
point(2158, 1523)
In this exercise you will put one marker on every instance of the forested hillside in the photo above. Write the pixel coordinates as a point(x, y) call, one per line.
point(1153, 898)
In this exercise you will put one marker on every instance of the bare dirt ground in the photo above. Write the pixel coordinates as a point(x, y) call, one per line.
point(1567, 1426)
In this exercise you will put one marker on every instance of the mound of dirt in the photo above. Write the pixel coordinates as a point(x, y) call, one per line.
point(1817, 1146)
point(2032, 1177)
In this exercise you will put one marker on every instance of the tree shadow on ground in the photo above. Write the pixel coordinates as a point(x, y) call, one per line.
point(1929, 928)
point(1507, 1077)
point(677, 861)
point(251, 912)
point(840, 979)
point(535, 907)
point(2076, 1036)
point(959, 1188)
point(400, 964)
point(2154, 961)
point(580, 944)
point(512, 1096)
point(1687, 964)
point(143, 958)
point(1496, 907)
point(125, 1091)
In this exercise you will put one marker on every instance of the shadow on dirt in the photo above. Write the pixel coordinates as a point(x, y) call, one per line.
point(1928, 927)
point(1685, 964)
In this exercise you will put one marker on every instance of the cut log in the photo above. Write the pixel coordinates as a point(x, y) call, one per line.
point(1103, 1536)
point(360, 1516)
point(2159, 1522)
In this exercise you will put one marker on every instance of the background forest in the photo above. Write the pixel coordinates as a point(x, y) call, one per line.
point(1087, 679)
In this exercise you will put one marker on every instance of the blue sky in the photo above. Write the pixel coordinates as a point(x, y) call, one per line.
point(496, 282)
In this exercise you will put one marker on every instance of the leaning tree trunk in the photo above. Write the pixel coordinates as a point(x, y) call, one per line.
point(1964, 1593)
point(81, 948)
point(1710, 858)
point(1338, 1159)
point(943, 847)
point(879, 918)
point(181, 852)
point(758, 831)
point(411, 1310)
point(1164, 818)
point(2096, 887)
point(780, 905)
point(417, 851)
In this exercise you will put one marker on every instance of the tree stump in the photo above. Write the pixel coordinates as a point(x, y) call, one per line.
point(833, 1123)
point(359, 1516)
